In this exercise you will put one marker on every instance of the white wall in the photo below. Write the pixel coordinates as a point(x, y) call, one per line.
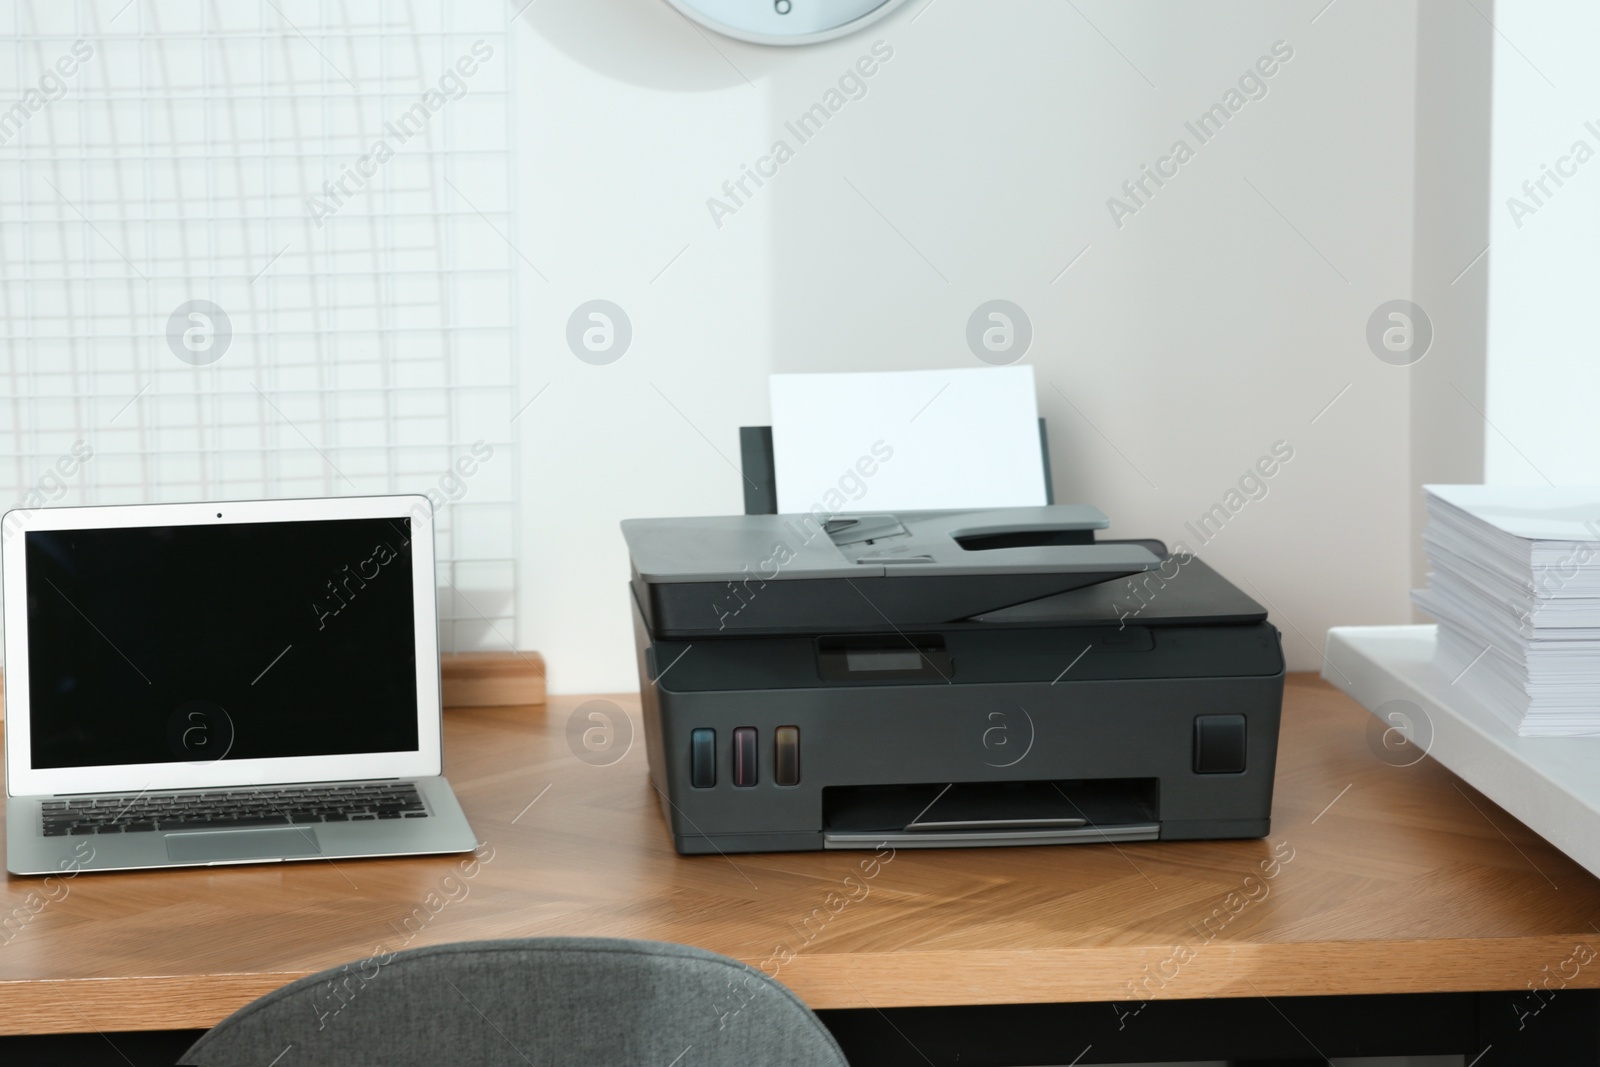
point(1544, 271)
point(1220, 318)
point(629, 120)
point(1455, 44)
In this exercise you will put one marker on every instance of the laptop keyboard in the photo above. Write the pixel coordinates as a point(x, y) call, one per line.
point(229, 809)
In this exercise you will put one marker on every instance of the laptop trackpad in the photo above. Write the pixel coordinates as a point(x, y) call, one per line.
point(222, 845)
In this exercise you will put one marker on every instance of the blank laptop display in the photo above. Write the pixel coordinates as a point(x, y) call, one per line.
point(224, 683)
point(244, 641)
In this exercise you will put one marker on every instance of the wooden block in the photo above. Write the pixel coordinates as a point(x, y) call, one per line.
point(481, 679)
point(492, 679)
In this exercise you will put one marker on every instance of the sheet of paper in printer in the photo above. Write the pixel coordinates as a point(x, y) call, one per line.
point(930, 439)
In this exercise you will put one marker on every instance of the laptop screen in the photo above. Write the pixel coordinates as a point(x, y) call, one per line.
point(239, 641)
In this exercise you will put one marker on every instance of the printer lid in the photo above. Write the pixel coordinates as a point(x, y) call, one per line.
point(1056, 539)
point(756, 575)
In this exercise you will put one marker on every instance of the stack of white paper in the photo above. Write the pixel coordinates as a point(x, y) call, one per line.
point(1515, 585)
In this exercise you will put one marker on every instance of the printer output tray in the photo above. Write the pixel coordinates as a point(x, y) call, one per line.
point(990, 813)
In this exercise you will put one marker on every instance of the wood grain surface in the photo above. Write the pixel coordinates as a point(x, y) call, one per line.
point(1376, 878)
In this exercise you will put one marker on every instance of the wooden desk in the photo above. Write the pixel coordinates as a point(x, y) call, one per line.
point(1401, 880)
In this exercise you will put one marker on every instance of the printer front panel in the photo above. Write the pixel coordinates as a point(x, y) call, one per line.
point(778, 769)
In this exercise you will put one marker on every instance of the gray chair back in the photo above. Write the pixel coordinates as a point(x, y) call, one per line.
point(548, 1002)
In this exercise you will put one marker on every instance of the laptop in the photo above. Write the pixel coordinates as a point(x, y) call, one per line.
point(206, 684)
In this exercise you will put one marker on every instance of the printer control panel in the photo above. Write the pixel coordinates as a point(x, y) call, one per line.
point(890, 657)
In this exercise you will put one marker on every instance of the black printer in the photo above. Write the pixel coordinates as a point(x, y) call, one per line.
point(947, 679)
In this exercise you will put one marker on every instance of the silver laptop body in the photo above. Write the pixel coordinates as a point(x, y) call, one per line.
point(220, 683)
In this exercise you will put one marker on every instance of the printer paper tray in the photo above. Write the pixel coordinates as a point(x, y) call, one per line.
point(1086, 835)
point(1028, 812)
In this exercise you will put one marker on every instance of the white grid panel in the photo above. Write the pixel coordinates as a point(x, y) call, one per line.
point(337, 178)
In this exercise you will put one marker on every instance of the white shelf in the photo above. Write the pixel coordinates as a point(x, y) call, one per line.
point(1552, 784)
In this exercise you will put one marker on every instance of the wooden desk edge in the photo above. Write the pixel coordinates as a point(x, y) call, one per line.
point(833, 981)
point(914, 978)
